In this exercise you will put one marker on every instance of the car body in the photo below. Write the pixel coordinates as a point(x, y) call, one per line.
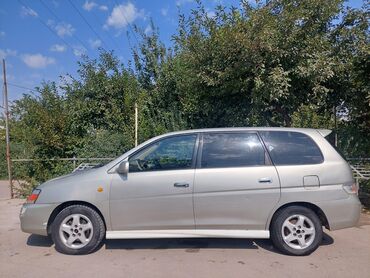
point(223, 182)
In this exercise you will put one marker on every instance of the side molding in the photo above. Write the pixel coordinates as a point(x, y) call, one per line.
point(132, 234)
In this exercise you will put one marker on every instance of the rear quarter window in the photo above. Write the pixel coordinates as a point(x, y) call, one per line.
point(291, 148)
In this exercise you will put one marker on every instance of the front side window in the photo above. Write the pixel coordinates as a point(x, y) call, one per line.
point(232, 150)
point(291, 148)
point(167, 154)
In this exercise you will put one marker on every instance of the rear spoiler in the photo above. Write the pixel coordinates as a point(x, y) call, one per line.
point(324, 132)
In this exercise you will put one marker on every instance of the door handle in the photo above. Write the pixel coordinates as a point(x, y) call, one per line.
point(181, 184)
point(265, 180)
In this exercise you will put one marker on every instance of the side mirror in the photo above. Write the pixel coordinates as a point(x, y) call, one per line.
point(122, 168)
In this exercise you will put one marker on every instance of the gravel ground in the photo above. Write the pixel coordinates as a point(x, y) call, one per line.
point(344, 253)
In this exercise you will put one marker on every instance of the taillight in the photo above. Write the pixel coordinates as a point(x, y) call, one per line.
point(351, 188)
point(33, 197)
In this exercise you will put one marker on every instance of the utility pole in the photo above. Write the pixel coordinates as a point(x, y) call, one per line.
point(8, 159)
point(335, 126)
point(136, 123)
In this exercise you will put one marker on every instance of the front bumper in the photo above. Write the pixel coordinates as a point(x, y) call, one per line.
point(34, 218)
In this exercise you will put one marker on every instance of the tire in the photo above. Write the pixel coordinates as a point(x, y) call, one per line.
point(296, 230)
point(77, 230)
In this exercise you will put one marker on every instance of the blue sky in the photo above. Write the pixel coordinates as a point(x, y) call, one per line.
point(43, 39)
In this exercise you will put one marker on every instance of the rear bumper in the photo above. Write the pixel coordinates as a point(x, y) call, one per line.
point(34, 218)
point(343, 213)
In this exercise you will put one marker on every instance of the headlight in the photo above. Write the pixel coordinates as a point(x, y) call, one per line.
point(33, 197)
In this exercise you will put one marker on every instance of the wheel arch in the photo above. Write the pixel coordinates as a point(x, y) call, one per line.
point(68, 204)
point(317, 210)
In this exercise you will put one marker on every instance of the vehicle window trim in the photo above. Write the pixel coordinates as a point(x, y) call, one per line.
point(317, 146)
point(268, 159)
point(200, 151)
point(193, 162)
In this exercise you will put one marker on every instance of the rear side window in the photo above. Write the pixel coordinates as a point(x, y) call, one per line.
point(232, 150)
point(291, 148)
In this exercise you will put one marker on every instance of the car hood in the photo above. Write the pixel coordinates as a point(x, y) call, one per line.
point(70, 177)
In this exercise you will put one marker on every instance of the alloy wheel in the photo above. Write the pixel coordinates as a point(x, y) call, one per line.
point(76, 231)
point(298, 231)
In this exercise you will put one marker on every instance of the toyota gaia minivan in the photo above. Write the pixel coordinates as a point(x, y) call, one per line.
point(278, 183)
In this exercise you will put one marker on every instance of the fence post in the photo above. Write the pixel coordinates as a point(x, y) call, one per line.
point(74, 162)
point(136, 123)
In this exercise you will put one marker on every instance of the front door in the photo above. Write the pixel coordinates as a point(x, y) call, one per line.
point(157, 192)
point(236, 186)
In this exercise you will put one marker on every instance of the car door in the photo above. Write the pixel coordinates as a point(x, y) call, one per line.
point(157, 192)
point(236, 185)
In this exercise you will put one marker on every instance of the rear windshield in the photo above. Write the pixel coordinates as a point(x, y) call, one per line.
point(291, 148)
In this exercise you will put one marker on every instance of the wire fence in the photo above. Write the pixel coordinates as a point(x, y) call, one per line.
point(73, 160)
point(360, 168)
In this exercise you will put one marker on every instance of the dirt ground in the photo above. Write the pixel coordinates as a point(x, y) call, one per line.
point(344, 253)
point(4, 190)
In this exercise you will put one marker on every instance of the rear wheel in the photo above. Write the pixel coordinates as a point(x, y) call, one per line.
point(296, 231)
point(77, 230)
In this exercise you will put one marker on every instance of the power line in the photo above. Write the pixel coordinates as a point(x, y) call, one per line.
point(108, 35)
point(58, 18)
point(129, 24)
point(47, 26)
point(22, 87)
point(87, 23)
point(32, 91)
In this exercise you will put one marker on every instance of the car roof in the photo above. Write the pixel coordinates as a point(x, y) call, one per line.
point(230, 129)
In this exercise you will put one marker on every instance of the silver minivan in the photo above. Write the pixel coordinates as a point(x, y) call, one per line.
point(278, 183)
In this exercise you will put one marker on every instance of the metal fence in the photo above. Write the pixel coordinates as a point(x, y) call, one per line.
point(73, 160)
point(360, 167)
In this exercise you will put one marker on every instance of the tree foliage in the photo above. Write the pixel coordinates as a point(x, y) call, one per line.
point(274, 63)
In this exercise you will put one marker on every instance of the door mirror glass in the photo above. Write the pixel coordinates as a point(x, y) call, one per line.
point(122, 168)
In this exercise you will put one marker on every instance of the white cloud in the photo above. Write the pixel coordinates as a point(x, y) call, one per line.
point(211, 14)
point(26, 11)
point(88, 6)
point(122, 15)
point(58, 48)
point(2, 34)
point(37, 61)
point(95, 43)
point(79, 50)
point(164, 11)
point(148, 30)
point(63, 29)
point(182, 2)
point(103, 8)
point(7, 52)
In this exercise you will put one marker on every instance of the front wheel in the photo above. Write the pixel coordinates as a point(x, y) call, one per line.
point(77, 230)
point(296, 231)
